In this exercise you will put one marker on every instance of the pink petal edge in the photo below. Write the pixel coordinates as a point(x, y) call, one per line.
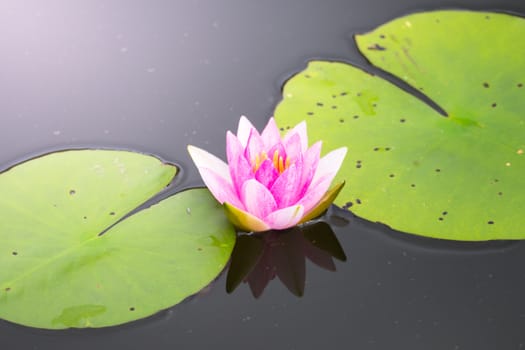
point(240, 168)
point(243, 130)
point(221, 189)
point(285, 217)
point(204, 159)
point(286, 188)
point(293, 147)
point(270, 134)
point(316, 191)
point(299, 129)
point(254, 147)
point(310, 163)
point(216, 175)
point(257, 199)
point(267, 174)
point(330, 163)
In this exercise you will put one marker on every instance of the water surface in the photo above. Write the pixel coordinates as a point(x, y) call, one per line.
point(156, 76)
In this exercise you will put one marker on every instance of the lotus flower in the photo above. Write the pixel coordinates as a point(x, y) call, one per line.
point(270, 182)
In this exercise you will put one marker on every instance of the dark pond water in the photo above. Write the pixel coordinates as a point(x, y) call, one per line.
point(157, 75)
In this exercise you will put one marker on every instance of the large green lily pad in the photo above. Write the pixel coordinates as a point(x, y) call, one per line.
point(459, 176)
point(62, 267)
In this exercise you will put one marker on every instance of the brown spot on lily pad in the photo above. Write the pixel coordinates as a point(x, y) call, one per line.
point(376, 47)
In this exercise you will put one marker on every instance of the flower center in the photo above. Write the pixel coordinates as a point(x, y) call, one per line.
point(279, 163)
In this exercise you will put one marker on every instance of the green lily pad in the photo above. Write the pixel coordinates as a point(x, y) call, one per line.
point(67, 260)
point(455, 176)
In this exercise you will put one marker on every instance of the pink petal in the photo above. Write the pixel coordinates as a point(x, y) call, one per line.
point(285, 217)
point(215, 174)
point(281, 151)
point(310, 164)
point(316, 192)
point(293, 147)
point(286, 188)
point(257, 199)
point(204, 159)
point(243, 130)
point(233, 146)
point(267, 174)
point(240, 168)
point(254, 147)
point(241, 171)
point(299, 129)
point(270, 134)
point(221, 189)
point(330, 163)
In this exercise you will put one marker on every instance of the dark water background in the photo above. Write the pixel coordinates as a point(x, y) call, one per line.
point(155, 76)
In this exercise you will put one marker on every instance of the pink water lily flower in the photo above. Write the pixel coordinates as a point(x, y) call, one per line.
point(270, 182)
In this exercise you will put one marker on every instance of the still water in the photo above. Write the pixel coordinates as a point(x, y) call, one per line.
point(156, 76)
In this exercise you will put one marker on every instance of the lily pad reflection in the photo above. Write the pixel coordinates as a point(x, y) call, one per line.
point(258, 259)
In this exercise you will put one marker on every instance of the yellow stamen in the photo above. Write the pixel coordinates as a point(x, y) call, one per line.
point(279, 163)
point(259, 159)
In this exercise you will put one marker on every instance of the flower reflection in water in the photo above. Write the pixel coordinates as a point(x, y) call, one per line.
point(258, 259)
